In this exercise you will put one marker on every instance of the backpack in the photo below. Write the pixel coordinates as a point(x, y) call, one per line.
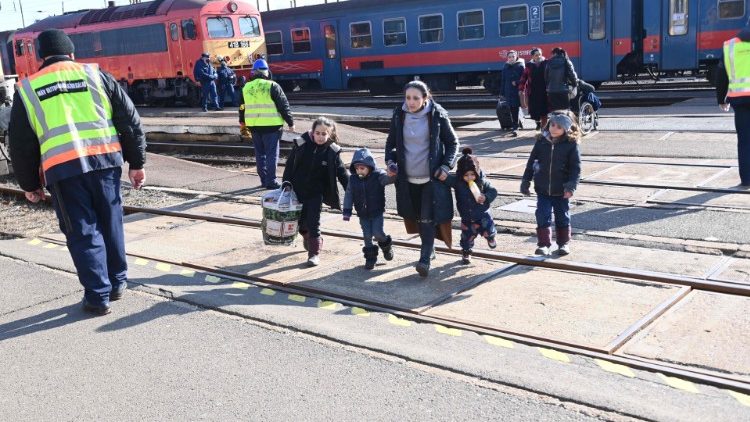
point(592, 99)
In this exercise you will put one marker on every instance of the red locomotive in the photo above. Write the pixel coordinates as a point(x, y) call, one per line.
point(151, 47)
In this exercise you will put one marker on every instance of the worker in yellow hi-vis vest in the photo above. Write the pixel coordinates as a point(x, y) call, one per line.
point(733, 89)
point(263, 111)
point(72, 127)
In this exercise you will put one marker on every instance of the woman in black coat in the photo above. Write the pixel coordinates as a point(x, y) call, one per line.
point(511, 75)
point(536, 87)
point(421, 149)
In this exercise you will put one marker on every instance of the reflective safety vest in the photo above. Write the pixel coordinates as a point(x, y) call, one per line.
point(260, 110)
point(737, 64)
point(72, 117)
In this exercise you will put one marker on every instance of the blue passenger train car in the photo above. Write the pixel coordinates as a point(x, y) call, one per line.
point(381, 44)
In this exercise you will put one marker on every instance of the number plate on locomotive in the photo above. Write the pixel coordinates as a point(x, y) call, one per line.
point(238, 44)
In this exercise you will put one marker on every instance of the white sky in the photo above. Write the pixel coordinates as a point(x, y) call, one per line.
point(33, 10)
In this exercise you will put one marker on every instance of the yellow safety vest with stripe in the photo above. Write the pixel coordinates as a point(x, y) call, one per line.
point(260, 110)
point(737, 64)
point(72, 117)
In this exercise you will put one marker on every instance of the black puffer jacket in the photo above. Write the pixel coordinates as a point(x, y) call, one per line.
point(559, 165)
point(559, 74)
point(299, 170)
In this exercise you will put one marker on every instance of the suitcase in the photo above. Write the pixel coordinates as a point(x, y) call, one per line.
point(503, 115)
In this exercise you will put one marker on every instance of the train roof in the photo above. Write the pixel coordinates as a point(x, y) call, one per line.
point(335, 7)
point(112, 14)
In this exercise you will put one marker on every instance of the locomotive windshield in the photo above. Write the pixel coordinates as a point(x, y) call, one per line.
point(249, 26)
point(220, 27)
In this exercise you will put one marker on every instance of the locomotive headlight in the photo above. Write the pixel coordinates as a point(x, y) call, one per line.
point(232, 6)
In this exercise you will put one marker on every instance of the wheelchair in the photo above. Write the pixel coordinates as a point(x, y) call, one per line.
point(588, 118)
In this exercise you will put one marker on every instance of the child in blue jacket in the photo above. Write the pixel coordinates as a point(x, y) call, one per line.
point(473, 203)
point(366, 192)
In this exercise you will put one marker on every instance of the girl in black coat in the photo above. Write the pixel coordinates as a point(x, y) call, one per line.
point(313, 167)
point(555, 166)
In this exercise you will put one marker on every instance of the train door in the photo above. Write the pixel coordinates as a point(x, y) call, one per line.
point(680, 26)
point(331, 78)
point(596, 40)
point(175, 49)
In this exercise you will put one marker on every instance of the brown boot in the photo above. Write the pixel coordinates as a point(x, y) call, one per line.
point(314, 244)
point(543, 240)
point(563, 238)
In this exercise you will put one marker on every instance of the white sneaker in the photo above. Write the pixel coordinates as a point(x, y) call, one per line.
point(542, 250)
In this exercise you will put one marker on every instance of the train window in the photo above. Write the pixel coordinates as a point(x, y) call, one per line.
point(360, 34)
point(514, 21)
point(249, 26)
point(220, 28)
point(394, 32)
point(173, 32)
point(188, 29)
point(731, 9)
point(134, 40)
point(301, 40)
point(430, 29)
point(678, 17)
point(597, 19)
point(274, 43)
point(552, 17)
point(470, 25)
point(19, 48)
point(329, 32)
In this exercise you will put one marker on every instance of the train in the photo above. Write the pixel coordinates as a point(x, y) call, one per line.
point(381, 44)
point(151, 47)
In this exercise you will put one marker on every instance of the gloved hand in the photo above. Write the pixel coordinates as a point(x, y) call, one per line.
point(392, 168)
point(347, 214)
point(245, 131)
point(525, 188)
point(442, 173)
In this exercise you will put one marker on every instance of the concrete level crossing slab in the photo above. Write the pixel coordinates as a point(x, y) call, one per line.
point(142, 225)
point(396, 282)
point(392, 227)
point(658, 174)
point(705, 329)
point(728, 179)
point(614, 193)
point(548, 303)
point(737, 271)
point(501, 165)
point(708, 199)
point(217, 208)
point(176, 173)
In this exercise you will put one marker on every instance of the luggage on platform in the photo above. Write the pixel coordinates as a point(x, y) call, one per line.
point(281, 212)
point(503, 115)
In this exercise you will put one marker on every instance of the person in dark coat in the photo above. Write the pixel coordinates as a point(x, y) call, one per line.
point(555, 166)
point(536, 87)
point(313, 167)
point(205, 74)
point(422, 148)
point(82, 169)
point(366, 193)
point(474, 194)
point(227, 80)
point(511, 76)
point(561, 80)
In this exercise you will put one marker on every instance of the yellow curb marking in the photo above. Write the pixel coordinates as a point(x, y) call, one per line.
point(744, 399)
point(360, 312)
point(327, 304)
point(141, 261)
point(497, 341)
point(679, 384)
point(297, 298)
point(34, 242)
point(267, 292)
point(163, 267)
point(212, 278)
point(450, 331)
point(393, 319)
point(614, 367)
point(554, 355)
point(240, 285)
point(187, 273)
point(50, 246)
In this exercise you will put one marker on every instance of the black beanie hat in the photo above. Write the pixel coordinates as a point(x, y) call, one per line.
point(467, 162)
point(54, 42)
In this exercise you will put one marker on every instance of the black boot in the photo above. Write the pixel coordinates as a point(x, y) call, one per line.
point(371, 256)
point(466, 254)
point(387, 248)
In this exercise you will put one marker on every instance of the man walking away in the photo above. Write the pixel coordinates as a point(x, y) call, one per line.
point(76, 124)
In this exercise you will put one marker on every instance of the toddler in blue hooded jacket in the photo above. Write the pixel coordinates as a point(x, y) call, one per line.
point(366, 194)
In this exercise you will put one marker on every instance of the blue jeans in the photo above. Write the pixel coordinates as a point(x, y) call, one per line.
point(544, 206)
point(471, 229)
point(89, 210)
point(372, 227)
point(266, 155)
point(742, 124)
point(209, 94)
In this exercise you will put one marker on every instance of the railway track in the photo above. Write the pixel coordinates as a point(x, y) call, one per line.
point(611, 352)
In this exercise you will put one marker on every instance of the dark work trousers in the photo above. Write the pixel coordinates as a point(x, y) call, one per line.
point(514, 117)
point(266, 155)
point(421, 199)
point(544, 206)
point(227, 88)
point(742, 124)
point(373, 227)
point(89, 209)
point(558, 101)
point(309, 221)
point(209, 95)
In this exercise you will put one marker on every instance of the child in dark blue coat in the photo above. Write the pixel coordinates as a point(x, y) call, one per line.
point(555, 166)
point(473, 197)
point(366, 192)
